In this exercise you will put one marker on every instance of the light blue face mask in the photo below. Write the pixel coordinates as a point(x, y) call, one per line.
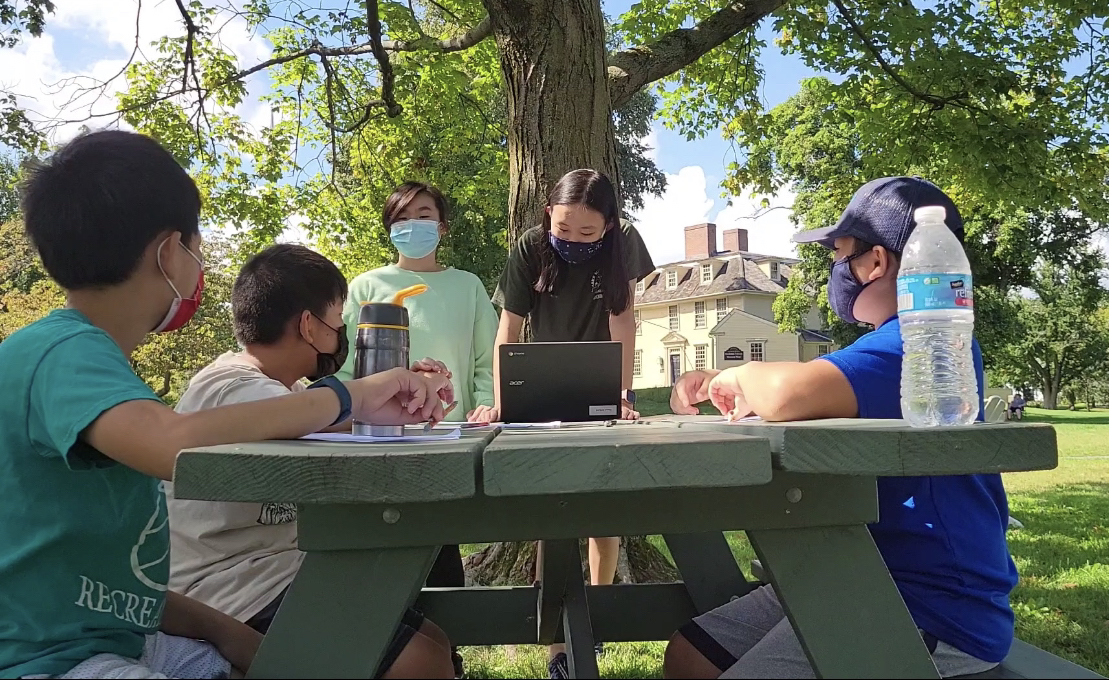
point(415, 239)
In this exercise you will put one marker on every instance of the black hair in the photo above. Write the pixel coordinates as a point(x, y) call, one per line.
point(403, 196)
point(593, 190)
point(92, 209)
point(276, 286)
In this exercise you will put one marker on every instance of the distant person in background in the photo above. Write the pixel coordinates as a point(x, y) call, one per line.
point(1016, 406)
point(454, 321)
point(573, 277)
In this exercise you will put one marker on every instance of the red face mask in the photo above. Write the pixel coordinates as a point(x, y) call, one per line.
point(181, 310)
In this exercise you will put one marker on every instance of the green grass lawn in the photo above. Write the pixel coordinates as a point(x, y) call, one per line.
point(1062, 553)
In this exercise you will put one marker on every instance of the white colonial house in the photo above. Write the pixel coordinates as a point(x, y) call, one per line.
point(714, 310)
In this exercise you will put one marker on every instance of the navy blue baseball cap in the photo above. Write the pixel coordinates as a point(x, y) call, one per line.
point(881, 213)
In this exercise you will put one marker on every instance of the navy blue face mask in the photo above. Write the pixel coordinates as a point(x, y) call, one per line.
point(574, 252)
point(844, 289)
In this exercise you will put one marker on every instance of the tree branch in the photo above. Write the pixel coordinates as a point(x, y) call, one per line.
point(937, 101)
point(457, 44)
point(631, 70)
point(190, 67)
point(481, 31)
point(388, 78)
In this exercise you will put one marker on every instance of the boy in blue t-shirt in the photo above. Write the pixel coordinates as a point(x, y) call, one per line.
point(942, 538)
point(84, 442)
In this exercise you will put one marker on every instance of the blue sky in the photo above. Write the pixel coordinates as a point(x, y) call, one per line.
point(695, 170)
point(94, 38)
point(785, 73)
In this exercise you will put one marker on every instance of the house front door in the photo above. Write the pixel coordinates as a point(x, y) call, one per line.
point(675, 366)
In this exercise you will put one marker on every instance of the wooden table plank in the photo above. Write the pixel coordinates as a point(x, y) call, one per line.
point(301, 471)
point(842, 602)
point(708, 568)
point(789, 500)
point(891, 448)
point(341, 612)
point(631, 458)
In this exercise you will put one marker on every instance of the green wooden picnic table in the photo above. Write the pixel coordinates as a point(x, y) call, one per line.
point(372, 518)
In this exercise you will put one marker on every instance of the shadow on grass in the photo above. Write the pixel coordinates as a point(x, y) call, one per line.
point(1061, 419)
point(1062, 554)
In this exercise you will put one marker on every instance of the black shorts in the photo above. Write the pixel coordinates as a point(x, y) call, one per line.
point(409, 624)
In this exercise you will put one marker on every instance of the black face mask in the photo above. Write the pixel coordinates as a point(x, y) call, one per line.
point(330, 363)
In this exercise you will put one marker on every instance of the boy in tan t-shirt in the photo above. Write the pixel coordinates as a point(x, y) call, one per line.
point(240, 558)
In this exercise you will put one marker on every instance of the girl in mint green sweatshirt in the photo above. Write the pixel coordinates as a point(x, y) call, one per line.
point(454, 320)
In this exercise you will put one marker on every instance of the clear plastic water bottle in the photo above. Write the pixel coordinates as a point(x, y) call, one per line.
point(935, 303)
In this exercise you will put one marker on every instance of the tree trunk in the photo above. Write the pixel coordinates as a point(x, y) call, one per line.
point(553, 60)
point(514, 564)
point(552, 55)
point(1051, 397)
point(164, 390)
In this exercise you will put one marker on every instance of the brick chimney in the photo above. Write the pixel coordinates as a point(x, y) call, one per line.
point(735, 240)
point(700, 241)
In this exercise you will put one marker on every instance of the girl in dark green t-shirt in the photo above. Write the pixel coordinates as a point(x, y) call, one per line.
point(573, 277)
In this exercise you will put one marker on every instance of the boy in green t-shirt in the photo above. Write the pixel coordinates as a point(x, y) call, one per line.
point(84, 442)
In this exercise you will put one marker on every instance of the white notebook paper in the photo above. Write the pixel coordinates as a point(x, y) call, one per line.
point(344, 437)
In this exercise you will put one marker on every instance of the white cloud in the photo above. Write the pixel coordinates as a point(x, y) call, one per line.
point(769, 230)
point(686, 202)
point(105, 30)
point(295, 231)
point(662, 219)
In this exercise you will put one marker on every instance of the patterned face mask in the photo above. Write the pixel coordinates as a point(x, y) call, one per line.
point(575, 252)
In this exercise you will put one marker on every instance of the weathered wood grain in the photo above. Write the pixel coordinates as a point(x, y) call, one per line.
point(788, 500)
point(842, 602)
point(340, 613)
point(320, 472)
point(855, 446)
point(638, 458)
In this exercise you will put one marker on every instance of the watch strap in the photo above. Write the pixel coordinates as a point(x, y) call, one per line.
point(341, 391)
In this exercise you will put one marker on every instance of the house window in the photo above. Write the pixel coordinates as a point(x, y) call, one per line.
point(700, 357)
point(821, 350)
point(721, 309)
point(674, 318)
point(706, 273)
point(640, 286)
point(671, 280)
point(774, 273)
point(756, 351)
point(637, 365)
point(699, 314)
point(638, 323)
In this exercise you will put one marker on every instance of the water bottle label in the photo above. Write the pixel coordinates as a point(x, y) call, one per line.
point(921, 292)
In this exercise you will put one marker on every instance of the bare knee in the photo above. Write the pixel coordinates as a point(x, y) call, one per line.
point(682, 661)
point(606, 545)
point(422, 657)
point(437, 634)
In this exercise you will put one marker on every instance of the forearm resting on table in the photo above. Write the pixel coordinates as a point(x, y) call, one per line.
point(147, 435)
point(789, 390)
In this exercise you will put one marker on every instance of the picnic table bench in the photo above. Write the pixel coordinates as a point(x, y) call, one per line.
point(372, 518)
